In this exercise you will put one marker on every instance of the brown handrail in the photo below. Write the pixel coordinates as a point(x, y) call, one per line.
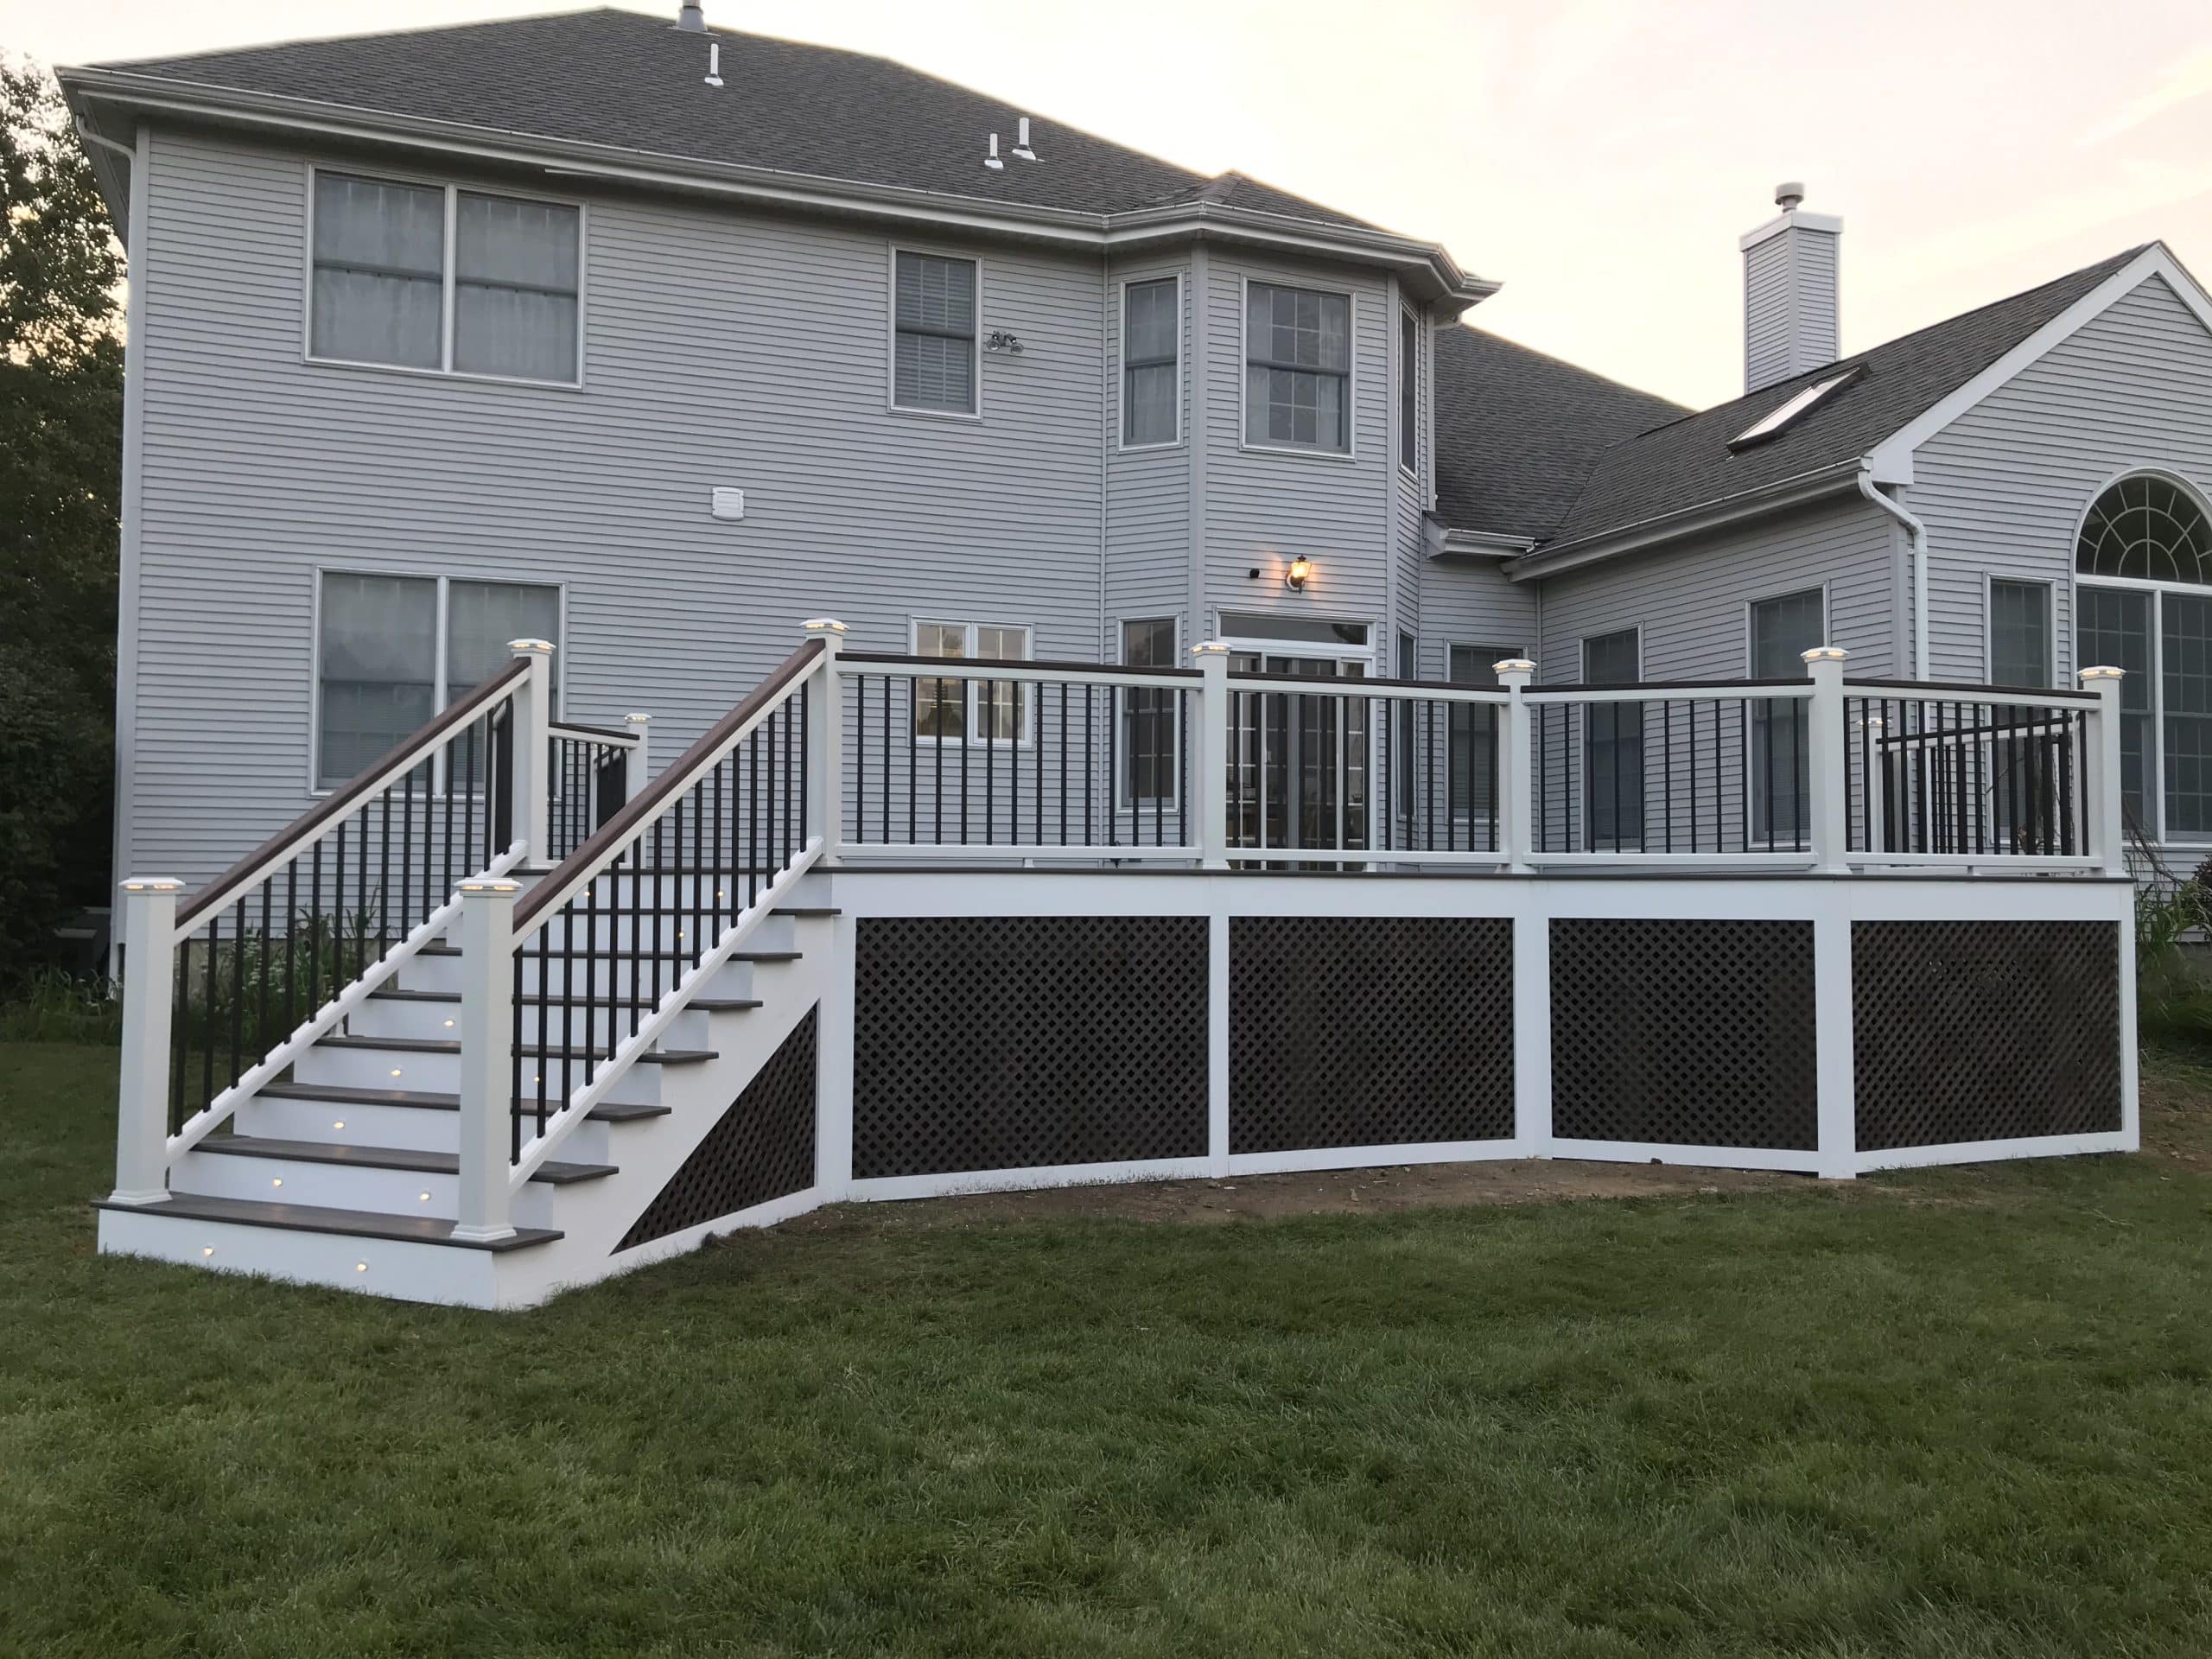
point(569, 728)
point(611, 834)
point(948, 668)
point(341, 800)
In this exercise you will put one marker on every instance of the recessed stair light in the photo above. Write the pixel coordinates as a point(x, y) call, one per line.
point(207, 1249)
point(360, 1266)
point(424, 1197)
point(395, 1071)
point(279, 1182)
point(339, 1124)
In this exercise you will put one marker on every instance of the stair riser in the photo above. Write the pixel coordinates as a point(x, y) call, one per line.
point(282, 1119)
point(446, 974)
point(333, 1186)
point(414, 1273)
point(390, 1017)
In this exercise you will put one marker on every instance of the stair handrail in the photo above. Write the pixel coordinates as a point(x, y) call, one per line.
point(152, 1126)
point(499, 921)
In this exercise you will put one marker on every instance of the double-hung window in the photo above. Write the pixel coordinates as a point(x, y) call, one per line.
point(438, 278)
point(1782, 630)
point(1152, 333)
point(1149, 739)
point(1613, 743)
point(392, 651)
point(1297, 368)
point(934, 366)
point(954, 710)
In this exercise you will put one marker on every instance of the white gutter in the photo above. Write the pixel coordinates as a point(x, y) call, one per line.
point(1918, 533)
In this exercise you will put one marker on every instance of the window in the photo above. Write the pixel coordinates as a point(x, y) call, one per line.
point(1408, 391)
point(385, 661)
point(1613, 742)
point(384, 290)
point(994, 711)
point(2153, 534)
point(933, 349)
point(1152, 334)
point(1408, 669)
point(1473, 730)
point(1149, 744)
point(1782, 630)
point(1297, 368)
point(2020, 634)
point(1793, 410)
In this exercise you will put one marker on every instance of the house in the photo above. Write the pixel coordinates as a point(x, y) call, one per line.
point(492, 388)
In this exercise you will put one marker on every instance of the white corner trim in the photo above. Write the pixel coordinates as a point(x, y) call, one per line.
point(1891, 460)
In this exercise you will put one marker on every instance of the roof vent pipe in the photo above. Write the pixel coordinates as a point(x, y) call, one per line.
point(992, 160)
point(1021, 141)
point(714, 64)
point(690, 17)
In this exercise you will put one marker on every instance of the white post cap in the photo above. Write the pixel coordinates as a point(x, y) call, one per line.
point(525, 647)
point(490, 884)
point(152, 884)
point(1210, 648)
point(2104, 673)
point(1513, 665)
point(1823, 654)
point(637, 719)
point(824, 625)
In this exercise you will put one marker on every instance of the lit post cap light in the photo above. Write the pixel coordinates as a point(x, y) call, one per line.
point(824, 625)
point(1514, 666)
point(2103, 673)
point(1823, 654)
point(1210, 648)
point(542, 647)
point(490, 884)
point(153, 884)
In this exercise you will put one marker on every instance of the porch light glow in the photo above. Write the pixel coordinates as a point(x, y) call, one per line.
point(207, 1249)
point(360, 1266)
point(1300, 573)
point(339, 1124)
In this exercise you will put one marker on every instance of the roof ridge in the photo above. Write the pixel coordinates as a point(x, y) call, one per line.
point(467, 24)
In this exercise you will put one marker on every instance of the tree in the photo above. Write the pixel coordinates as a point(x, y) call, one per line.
point(61, 465)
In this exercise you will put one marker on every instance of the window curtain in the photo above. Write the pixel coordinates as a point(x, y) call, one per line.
point(379, 668)
point(515, 286)
point(380, 272)
point(935, 351)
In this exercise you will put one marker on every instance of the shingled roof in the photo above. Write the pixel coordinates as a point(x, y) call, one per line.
point(636, 82)
point(1517, 432)
point(1687, 463)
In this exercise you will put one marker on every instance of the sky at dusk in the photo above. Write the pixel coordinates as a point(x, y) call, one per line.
point(1598, 158)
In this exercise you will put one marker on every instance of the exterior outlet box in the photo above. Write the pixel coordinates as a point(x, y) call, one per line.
point(729, 504)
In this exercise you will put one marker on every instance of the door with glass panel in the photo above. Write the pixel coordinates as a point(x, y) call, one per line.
point(1778, 763)
point(1297, 766)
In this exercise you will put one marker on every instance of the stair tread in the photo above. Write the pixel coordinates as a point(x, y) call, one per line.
point(710, 1004)
point(553, 1173)
point(340, 1094)
point(312, 1218)
point(607, 956)
point(442, 1045)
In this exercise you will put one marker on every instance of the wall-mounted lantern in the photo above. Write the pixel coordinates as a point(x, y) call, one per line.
point(1300, 573)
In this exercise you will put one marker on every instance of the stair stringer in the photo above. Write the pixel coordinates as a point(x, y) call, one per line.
point(592, 1219)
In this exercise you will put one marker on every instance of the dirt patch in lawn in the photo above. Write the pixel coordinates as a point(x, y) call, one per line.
point(1335, 1192)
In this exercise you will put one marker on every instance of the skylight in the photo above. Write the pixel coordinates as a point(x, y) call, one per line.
point(1779, 420)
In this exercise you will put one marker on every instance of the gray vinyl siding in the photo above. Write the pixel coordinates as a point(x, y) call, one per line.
point(1470, 602)
point(1692, 602)
point(2003, 488)
point(1790, 289)
point(1148, 490)
point(1264, 508)
point(720, 348)
point(1409, 492)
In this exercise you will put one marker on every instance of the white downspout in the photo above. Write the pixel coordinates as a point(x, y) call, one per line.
point(1918, 533)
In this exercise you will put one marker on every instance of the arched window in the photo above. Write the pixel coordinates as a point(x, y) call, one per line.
point(2144, 604)
point(2149, 528)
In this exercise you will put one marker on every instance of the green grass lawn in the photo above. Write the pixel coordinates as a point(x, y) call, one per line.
point(1958, 1412)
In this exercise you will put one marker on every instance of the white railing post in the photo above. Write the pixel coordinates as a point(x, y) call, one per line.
point(142, 1126)
point(1827, 760)
point(2108, 822)
point(487, 927)
point(825, 739)
point(1213, 791)
point(637, 765)
point(1877, 772)
point(531, 758)
point(1516, 811)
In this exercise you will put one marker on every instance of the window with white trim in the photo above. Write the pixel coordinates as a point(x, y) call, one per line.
point(1150, 744)
point(2019, 632)
point(392, 651)
point(1297, 368)
point(934, 366)
point(1782, 629)
point(1408, 391)
point(1613, 741)
point(2144, 559)
point(1152, 332)
point(954, 710)
point(500, 297)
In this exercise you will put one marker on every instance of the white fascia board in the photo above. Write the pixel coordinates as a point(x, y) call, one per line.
point(1805, 488)
point(1482, 543)
point(1891, 460)
point(1828, 224)
point(315, 120)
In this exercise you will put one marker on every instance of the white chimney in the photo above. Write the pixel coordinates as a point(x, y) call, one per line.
point(1789, 291)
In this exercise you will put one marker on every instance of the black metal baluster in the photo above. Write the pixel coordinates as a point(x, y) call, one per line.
point(261, 971)
point(179, 1032)
point(208, 1036)
point(1063, 762)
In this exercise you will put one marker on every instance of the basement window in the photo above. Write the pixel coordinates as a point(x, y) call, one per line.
point(1795, 409)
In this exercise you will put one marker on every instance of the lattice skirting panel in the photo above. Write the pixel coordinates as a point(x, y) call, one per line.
point(1984, 1031)
point(1360, 1032)
point(761, 1148)
point(1684, 1033)
point(993, 1043)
